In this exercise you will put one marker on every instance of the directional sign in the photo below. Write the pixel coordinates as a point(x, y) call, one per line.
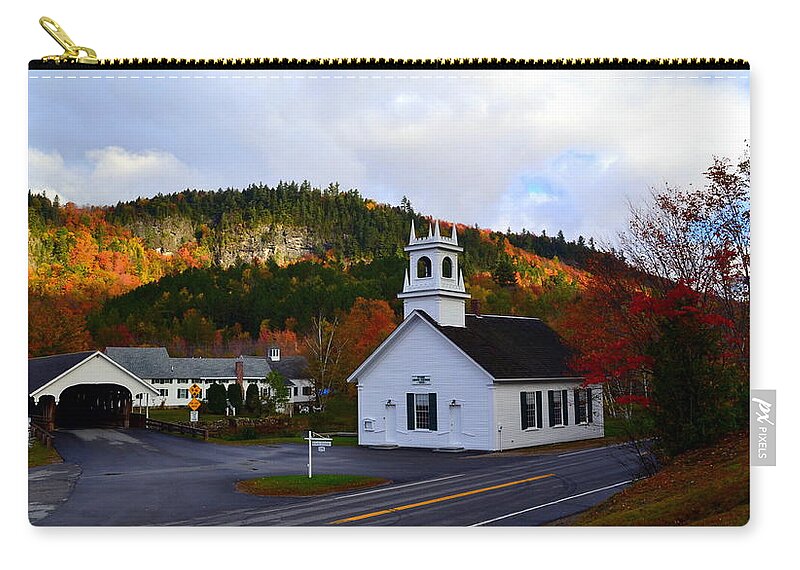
point(318, 441)
point(193, 416)
point(195, 390)
point(194, 404)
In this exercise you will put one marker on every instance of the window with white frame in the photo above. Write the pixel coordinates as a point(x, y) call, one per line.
point(583, 405)
point(531, 410)
point(421, 411)
point(557, 407)
point(369, 424)
point(183, 394)
point(163, 392)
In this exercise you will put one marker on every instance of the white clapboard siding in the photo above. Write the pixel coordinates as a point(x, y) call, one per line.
point(421, 350)
point(507, 411)
point(96, 369)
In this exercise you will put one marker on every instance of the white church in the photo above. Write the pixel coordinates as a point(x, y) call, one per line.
point(449, 380)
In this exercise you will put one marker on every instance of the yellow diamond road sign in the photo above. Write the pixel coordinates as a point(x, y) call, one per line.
point(194, 403)
point(195, 390)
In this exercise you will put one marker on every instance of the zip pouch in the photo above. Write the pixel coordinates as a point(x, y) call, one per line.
point(382, 292)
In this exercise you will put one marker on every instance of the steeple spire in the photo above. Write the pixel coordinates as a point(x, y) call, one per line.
point(413, 235)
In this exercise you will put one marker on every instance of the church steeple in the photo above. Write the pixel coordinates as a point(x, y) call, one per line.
point(434, 281)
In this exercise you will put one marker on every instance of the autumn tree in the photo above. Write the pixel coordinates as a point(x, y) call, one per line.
point(698, 392)
point(663, 328)
point(362, 329)
point(55, 326)
point(324, 350)
point(700, 237)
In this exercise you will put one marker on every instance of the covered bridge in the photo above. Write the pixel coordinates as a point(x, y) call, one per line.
point(83, 389)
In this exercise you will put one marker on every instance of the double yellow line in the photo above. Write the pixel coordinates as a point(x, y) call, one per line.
point(441, 499)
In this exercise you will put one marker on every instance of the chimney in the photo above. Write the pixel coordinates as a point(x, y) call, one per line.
point(240, 373)
point(476, 307)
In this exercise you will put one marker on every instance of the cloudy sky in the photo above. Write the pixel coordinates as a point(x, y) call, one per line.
point(536, 149)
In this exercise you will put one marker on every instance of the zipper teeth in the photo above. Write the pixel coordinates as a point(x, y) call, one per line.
point(390, 63)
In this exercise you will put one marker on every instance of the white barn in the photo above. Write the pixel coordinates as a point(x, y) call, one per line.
point(445, 379)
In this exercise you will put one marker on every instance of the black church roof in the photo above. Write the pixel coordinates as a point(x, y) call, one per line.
point(511, 347)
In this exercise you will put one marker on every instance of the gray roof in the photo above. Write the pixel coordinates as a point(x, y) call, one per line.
point(253, 367)
point(46, 368)
point(143, 362)
point(156, 363)
point(291, 367)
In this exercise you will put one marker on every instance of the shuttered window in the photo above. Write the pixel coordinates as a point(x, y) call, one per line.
point(583, 405)
point(557, 407)
point(531, 409)
point(421, 412)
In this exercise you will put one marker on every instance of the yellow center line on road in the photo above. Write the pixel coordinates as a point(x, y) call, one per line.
point(440, 499)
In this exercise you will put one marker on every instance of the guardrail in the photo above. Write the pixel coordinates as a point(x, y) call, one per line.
point(44, 436)
point(179, 428)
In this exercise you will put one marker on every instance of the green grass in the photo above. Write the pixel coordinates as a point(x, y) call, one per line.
point(705, 487)
point(279, 439)
point(39, 455)
point(177, 415)
point(303, 486)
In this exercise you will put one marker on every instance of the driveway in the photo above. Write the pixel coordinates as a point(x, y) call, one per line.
point(139, 477)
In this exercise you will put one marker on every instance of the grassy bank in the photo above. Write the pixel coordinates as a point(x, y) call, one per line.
point(39, 455)
point(302, 485)
point(276, 440)
point(704, 487)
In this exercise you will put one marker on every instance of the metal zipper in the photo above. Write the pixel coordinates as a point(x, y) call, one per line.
point(76, 57)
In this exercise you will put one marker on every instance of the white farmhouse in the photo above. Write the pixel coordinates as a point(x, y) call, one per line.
point(449, 380)
point(171, 377)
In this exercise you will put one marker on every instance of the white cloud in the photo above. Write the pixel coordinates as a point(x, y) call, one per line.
point(109, 175)
point(458, 147)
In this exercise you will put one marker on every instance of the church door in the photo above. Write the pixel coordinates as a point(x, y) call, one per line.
point(391, 423)
point(455, 425)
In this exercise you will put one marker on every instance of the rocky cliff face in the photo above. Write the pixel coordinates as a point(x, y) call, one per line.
point(245, 243)
point(231, 243)
point(165, 235)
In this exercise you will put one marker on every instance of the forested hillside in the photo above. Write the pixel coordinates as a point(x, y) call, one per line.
point(204, 272)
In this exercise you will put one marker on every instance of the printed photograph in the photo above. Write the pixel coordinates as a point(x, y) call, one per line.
point(413, 297)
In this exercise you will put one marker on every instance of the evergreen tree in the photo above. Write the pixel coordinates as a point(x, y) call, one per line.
point(504, 272)
point(252, 400)
point(235, 396)
point(216, 399)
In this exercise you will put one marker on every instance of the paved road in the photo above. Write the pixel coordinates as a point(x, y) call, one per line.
point(138, 477)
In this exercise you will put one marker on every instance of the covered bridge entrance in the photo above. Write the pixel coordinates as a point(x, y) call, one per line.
point(83, 389)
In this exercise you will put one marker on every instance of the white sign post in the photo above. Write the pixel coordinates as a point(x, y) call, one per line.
point(318, 441)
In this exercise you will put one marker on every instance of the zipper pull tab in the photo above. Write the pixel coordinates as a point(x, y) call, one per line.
point(72, 52)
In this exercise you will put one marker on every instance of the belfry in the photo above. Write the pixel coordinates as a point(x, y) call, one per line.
point(434, 281)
